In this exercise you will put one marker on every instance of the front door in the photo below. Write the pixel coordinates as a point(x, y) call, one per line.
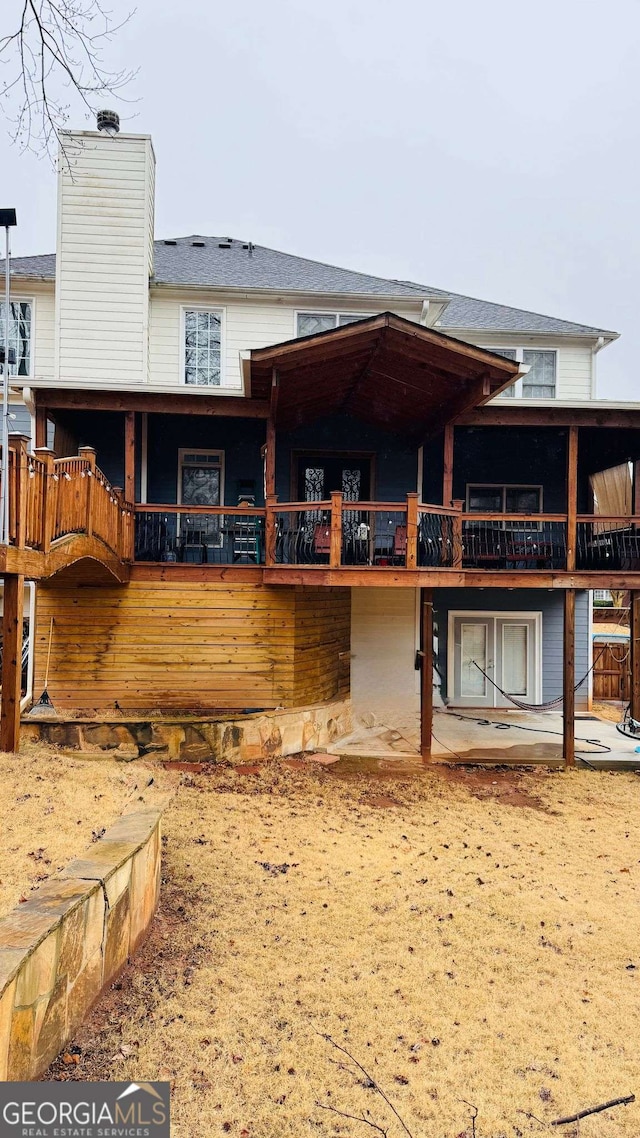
point(319, 474)
point(489, 652)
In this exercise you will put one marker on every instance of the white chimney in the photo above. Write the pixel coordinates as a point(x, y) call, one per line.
point(104, 256)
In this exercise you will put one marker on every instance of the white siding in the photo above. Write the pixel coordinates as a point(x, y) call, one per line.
point(574, 375)
point(105, 219)
point(247, 324)
point(384, 682)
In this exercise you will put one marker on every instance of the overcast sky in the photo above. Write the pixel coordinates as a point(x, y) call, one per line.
point(487, 148)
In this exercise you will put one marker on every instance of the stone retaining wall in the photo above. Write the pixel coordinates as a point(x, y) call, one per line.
point(61, 947)
point(235, 739)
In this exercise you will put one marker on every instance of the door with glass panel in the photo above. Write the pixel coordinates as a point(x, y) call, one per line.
point(473, 661)
point(490, 650)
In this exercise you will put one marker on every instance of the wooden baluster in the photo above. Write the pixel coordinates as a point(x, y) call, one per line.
point(88, 454)
point(456, 534)
point(335, 541)
point(48, 500)
point(411, 561)
point(19, 444)
point(270, 529)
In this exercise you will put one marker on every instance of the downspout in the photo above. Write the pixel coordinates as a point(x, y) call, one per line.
point(594, 351)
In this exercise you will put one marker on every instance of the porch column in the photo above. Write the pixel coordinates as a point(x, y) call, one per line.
point(11, 662)
point(569, 679)
point(426, 672)
point(572, 496)
point(447, 467)
point(270, 459)
point(130, 456)
point(634, 614)
point(41, 427)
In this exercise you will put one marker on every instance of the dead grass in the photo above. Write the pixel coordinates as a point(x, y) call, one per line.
point(468, 937)
point(612, 710)
point(50, 806)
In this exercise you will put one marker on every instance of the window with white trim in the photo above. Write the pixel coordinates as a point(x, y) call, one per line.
point(20, 322)
point(308, 323)
point(203, 347)
point(540, 381)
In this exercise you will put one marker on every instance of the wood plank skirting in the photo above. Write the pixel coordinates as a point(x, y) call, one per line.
point(196, 646)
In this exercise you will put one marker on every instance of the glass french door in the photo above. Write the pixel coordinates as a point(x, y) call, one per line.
point(494, 649)
point(319, 474)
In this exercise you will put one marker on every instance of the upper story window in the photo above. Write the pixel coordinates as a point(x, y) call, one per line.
point(308, 323)
point(20, 320)
point(540, 382)
point(203, 347)
point(496, 499)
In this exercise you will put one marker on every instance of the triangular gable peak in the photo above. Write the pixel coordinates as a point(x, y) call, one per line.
point(383, 370)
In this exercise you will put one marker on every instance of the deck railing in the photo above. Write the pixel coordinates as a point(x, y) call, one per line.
point(51, 498)
point(410, 535)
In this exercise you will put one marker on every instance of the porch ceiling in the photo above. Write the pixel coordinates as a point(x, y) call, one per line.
point(384, 370)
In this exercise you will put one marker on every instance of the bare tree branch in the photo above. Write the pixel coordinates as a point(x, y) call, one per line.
point(370, 1080)
point(353, 1117)
point(54, 54)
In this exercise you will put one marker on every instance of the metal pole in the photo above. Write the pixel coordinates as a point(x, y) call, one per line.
point(5, 392)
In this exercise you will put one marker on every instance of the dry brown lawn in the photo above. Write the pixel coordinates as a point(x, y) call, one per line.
point(467, 936)
point(50, 807)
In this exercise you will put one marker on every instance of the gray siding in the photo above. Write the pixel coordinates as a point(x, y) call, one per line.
point(550, 604)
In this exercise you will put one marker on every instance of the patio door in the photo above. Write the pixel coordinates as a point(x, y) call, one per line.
point(487, 649)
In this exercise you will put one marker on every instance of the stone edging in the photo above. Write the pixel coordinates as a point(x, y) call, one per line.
point(61, 947)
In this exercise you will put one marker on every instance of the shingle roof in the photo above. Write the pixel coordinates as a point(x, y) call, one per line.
point(223, 262)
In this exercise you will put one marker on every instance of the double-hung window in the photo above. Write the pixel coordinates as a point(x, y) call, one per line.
point(203, 347)
point(308, 323)
point(20, 350)
point(540, 381)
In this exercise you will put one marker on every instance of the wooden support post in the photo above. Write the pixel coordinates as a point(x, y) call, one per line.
point(456, 535)
point(48, 497)
point(11, 662)
point(89, 455)
point(335, 546)
point(426, 672)
point(130, 456)
point(270, 531)
point(41, 427)
point(569, 679)
point(634, 614)
point(18, 444)
point(572, 496)
point(270, 460)
point(412, 531)
point(447, 469)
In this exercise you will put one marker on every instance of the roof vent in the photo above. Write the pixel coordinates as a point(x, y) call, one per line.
point(224, 244)
point(108, 122)
point(168, 241)
point(198, 244)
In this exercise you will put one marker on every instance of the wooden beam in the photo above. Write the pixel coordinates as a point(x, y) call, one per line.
point(447, 468)
point(572, 496)
point(495, 415)
point(634, 615)
point(335, 537)
point(12, 615)
point(224, 406)
point(130, 456)
point(569, 679)
point(412, 531)
point(426, 672)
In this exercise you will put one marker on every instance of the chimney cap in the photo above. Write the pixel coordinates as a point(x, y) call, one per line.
point(108, 122)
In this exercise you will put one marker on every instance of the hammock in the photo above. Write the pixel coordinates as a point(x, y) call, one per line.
point(550, 704)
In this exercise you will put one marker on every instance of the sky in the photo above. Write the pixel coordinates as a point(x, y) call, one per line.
point(485, 148)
